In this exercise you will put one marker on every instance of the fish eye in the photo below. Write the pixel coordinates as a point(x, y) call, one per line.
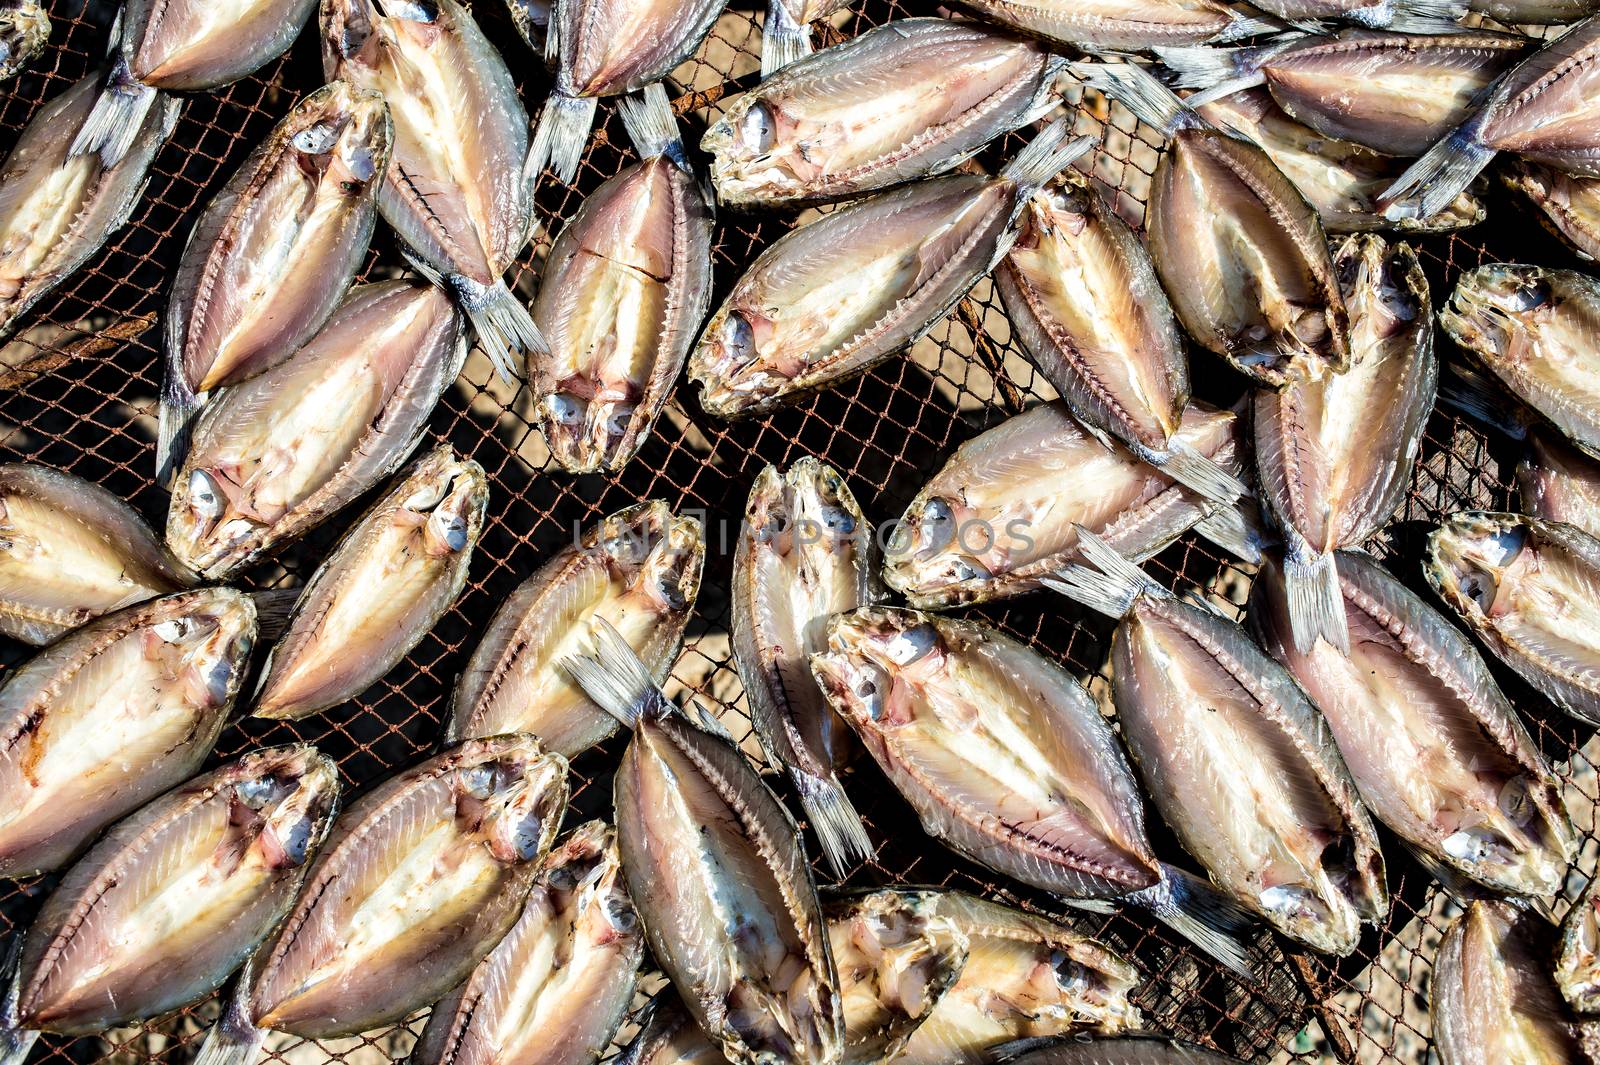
point(526, 838)
point(913, 644)
point(561, 878)
point(412, 10)
point(738, 339)
point(966, 569)
point(1070, 976)
point(937, 512)
point(362, 166)
point(297, 843)
point(254, 793)
point(564, 410)
point(839, 521)
point(621, 917)
point(452, 530)
point(478, 781)
point(671, 594)
point(316, 139)
point(757, 128)
point(619, 420)
point(175, 630)
point(1530, 295)
point(205, 497)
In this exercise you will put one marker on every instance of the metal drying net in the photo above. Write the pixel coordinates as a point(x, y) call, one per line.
point(80, 386)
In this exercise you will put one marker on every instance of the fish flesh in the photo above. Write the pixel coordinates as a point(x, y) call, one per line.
point(1004, 511)
point(1026, 977)
point(1436, 750)
point(1568, 206)
point(24, 30)
point(838, 295)
point(71, 551)
point(804, 552)
point(174, 898)
point(381, 591)
point(608, 48)
point(1120, 25)
point(1493, 999)
point(1334, 452)
point(1240, 252)
point(1341, 179)
point(57, 209)
point(275, 455)
point(532, 20)
point(624, 289)
point(1006, 759)
point(1557, 482)
point(925, 94)
point(1545, 109)
point(274, 252)
point(1137, 1049)
point(717, 870)
point(1239, 762)
point(431, 868)
point(1396, 93)
point(1085, 302)
point(638, 571)
point(160, 46)
point(557, 987)
point(1530, 590)
point(786, 34)
point(1533, 329)
point(454, 191)
point(112, 715)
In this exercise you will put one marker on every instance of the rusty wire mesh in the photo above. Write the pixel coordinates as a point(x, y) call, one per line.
point(82, 397)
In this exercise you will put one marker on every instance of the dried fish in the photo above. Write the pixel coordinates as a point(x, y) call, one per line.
point(174, 898)
point(71, 551)
point(1121, 25)
point(1569, 206)
point(786, 34)
point(1240, 252)
point(382, 590)
point(432, 867)
point(638, 571)
point(112, 715)
point(1007, 760)
point(717, 870)
point(454, 190)
point(1528, 589)
point(669, 1036)
point(1334, 452)
point(273, 456)
point(804, 552)
point(274, 252)
point(1435, 748)
point(1578, 963)
point(1395, 93)
point(24, 29)
point(624, 289)
point(1088, 308)
point(1005, 509)
point(1236, 758)
point(532, 20)
point(1140, 1049)
point(56, 208)
point(836, 296)
point(1534, 329)
point(1536, 12)
point(923, 95)
point(1493, 1000)
point(559, 984)
point(1557, 482)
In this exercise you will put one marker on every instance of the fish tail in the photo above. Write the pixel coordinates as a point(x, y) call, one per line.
point(1140, 92)
point(1425, 16)
point(1316, 606)
point(498, 318)
point(844, 838)
point(1047, 155)
point(783, 40)
point(1108, 584)
point(15, 1040)
point(1470, 392)
point(559, 138)
point(175, 420)
point(118, 114)
point(1201, 914)
point(233, 1039)
point(1230, 528)
point(651, 125)
point(615, 678)
point(274, 608)
point(1433, 182)
point(1201, 473)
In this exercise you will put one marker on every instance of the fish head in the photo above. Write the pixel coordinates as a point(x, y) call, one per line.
point(584, 875)
point(873, 656)
point(444, 497)
point(24, 28)
point(203, 639)
point(896, 957)
point(731, 361)
point(1384, 289)
point(1467, 557)
point(939, 554)
point(1497, 310)
point(653, 550)
point(343, 133)
point(589, 429)
point(741, 145)
point(206, 530)
point(349, 28)
point(808, 504)
point(511, 793)
point(288, 796)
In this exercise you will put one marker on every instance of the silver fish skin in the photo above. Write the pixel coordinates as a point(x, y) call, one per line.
point(1557, 482)
point(274, 252)
point(1493, 999)
point(177, 896)
point(1534, 328)
point(1568, 206)
point(1436, 750)
point(838, 295)
point(624, 290)
point(432, 867)
point(1535, 12)
point(637, 571)
point(906, 100)
point(24, 29)
point(454, 190)
point(557, 987)
point(1239, 762)
point(382, 590)
point(1003, 512)
point(804, 553)
point(1578, 962)
point(57, 209)
point(1334, 452)
point(275, 455)
point(1088, 308)
point(1117, 25)
point(1006, 759)
point(111, 715)
point(1139, 1049)
point(1396, 93)
point(1341, 179)
point(71, 551)
point(717, 870)
point(1527, 588)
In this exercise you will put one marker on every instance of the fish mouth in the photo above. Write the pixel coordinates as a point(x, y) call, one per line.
point(1467, 558)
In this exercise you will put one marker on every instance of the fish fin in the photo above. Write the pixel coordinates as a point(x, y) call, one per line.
point(560, 137)
point(711, 723)
point(1200, 66)
point(651, 125)
point(113, 124)
point(838, 826)
point(499, 320)
point(1433, 182)
point(1089, 905)
point(1228, 528)
point(1140, 92)
point(1243, 26)
point(15, 1040)
point(552, 39)
point(1047, 155)
point(1109, 584)
point(233, 1039)
point(615, 678)
point(1201, 473)
point(1426, 16)
point(1467, 390)
point(1201, 914)
point(274, 608)
point(1316, 606)
point(783, 40)
point(175, 419)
